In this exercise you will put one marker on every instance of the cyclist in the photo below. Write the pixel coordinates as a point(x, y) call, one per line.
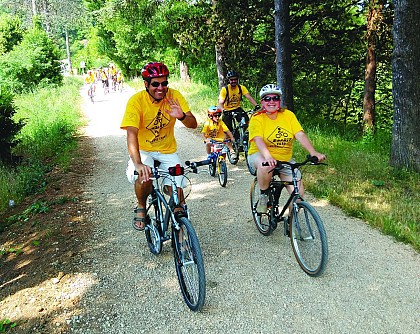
point(120, 80)
point(271, 134)
point(90, 81)
point(149, 119)
point(112, 73)
point(230, 98)
point(215, 129)
point(104, 78)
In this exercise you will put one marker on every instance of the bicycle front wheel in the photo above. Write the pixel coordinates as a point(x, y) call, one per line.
point(261, 220)
point(153, 228)
point(189, 264)
point(251, 169)
point(222, 172)
point(309, 240)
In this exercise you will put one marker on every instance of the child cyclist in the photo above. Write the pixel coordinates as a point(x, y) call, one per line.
point(215, 129)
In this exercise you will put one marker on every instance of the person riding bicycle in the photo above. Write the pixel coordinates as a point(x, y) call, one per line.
point(104, 77)
point(230, 98)
point(271, 134)
point(215, 129)
point(149, 119)
point(90, 81)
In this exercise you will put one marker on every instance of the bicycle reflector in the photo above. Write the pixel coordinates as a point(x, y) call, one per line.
point(177, 170)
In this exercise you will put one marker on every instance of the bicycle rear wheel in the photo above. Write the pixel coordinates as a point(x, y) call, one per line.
point(261, 220)
point(222, 171)
point(153, 229)
point(189, 264)
point(309, 240)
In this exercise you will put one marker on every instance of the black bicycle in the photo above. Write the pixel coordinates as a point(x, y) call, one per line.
point(303, 225)
point(241, 135)
point(160, 215)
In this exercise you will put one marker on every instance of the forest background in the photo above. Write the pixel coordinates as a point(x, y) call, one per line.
point(340, 61)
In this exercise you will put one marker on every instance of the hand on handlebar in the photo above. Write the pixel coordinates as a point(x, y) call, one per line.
point(144, 172)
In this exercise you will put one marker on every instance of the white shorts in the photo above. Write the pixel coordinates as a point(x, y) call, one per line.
point(286, 170)
point(149, 158)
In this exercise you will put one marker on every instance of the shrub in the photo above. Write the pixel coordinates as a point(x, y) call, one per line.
point(9, 128)
point(33, 62)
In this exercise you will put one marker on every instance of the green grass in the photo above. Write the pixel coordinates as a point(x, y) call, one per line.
point(52, 119)
point(359, 180)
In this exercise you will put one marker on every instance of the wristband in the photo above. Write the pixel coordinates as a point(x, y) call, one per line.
point(183, 117)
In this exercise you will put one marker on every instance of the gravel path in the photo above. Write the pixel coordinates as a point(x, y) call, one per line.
point(254, 284)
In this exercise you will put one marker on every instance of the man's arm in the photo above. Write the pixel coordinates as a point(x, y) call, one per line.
point(134, 152)
point(251, 99)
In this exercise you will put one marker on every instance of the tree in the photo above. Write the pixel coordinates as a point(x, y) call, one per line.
point(405, 148)
point(9, 128)
point(283, 51)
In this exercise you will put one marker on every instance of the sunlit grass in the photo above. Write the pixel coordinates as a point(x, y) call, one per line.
point(52, 119)
point(359, 180)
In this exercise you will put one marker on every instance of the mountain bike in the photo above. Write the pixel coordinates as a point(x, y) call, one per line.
point(91, 92)
point(218, 161)
point(303, 225)
point(160, 217)
point(241, 135)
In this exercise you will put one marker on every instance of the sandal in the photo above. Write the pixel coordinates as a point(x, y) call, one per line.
point(141, 220)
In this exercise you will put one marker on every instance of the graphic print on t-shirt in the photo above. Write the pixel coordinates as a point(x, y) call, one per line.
point(159, 122)
point(280, 137)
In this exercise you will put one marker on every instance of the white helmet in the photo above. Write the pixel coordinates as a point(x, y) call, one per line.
point(270, 89)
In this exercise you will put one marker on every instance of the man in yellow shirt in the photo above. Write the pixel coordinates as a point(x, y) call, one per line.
point(230, 98)
point(149, 119)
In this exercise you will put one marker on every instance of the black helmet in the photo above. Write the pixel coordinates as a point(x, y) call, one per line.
point(232, 74)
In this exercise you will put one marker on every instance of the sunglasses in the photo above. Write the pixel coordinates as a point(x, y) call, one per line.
point(269, 98)
point(157, 84)
point(216, 115)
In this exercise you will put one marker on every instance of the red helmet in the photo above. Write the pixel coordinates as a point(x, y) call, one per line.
point(214, 111)
point(154, 70)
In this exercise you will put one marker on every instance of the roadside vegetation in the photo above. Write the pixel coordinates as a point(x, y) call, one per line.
point(47, 140)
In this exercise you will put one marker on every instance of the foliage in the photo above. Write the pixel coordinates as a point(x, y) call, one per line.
point(8, 126)
point(32, 63)
point(11, 32)
point(6, 324)
point(52, 120)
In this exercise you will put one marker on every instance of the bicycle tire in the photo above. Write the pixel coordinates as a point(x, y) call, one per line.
point(251, 169)
point(235, 147)
point(223, 173)
point(153, 230)
point(189, 264)
point(309, 240)
point(262, 221)
point(212, 168)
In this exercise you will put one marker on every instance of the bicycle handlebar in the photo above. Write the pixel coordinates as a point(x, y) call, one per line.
point(313, 160)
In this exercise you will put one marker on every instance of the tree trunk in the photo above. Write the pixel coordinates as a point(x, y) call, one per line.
point(374, 21)
point(405, 148)
point(220, 51)
point(68, 51)
point(283, 51)
point(183, 70)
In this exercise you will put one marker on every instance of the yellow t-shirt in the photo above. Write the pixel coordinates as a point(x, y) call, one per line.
point(234, 100)
point(215, 131)
point(277, 134)
point(156, 127)
point(90, 78)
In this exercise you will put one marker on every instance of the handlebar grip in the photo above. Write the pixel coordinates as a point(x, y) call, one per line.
point(312, 159)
